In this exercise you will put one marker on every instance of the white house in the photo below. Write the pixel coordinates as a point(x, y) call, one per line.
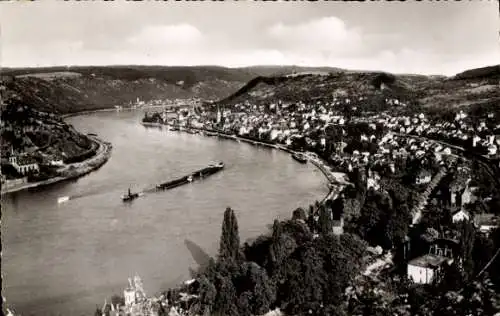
point(57, 163)
point(423, 177)
point(486, 222)
point(425, 269)
point(461, 215)
point(468, 196)
point(338, 226)
point(373, 180)
point(475, 140)
point(492, 149)
point(23, 167)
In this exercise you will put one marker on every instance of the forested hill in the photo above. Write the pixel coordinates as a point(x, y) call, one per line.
point(73, 89)
point(323, 86)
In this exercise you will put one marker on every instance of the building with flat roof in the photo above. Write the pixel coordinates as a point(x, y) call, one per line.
point(425, 269)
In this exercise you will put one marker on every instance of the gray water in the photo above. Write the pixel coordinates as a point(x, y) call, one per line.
point(63, 259)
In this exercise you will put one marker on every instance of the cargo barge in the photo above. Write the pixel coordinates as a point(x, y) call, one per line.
point(199, 174)
point(207, 171)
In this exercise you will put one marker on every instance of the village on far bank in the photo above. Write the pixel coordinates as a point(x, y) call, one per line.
point(418, 185)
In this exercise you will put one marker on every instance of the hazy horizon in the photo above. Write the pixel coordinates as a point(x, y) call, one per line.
point(249, 66)
point(442, 38)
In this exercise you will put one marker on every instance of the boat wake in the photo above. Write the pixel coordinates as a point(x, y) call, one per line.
point(64, 199)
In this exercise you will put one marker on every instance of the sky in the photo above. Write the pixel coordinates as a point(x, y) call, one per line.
point(426, 37)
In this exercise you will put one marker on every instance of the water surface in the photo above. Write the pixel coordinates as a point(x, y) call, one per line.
point(63, 259)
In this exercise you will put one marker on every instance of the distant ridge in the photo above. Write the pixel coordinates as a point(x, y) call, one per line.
point(69, 89)
point(483, 72)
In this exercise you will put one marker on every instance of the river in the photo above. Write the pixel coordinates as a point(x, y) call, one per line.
point(63, 259)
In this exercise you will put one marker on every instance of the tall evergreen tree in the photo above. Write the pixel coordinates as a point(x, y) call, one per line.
point(230, 238)
point(276, 249)
point(467, 238)
point(325, 220)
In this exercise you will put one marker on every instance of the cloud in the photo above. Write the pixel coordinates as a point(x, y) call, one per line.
point(162, 36)
point(328, 35)
point(252, 57)
point(409, 39)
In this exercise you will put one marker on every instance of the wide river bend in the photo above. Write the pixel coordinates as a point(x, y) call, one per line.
point(63, 259)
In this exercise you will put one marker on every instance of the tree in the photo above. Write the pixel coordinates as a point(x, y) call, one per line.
point(259, 251)
point(452, 279)
point(482, 252)
point(342, 261)
point(325, 220)
point(303, 283)
point(244, 304)
point(299, 214)
point(277, 251)
point(253, 279)
point(311, 222)
point(225, 302)
point(230, 239)
point(397, 226)
point(369, 223)
point(297, 231)
point(467, 238)
point(207, 294)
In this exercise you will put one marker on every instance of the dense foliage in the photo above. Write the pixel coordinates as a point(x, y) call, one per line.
point(289, 268)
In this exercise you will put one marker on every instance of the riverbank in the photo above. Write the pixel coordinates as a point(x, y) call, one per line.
point(336, 180)
point(74, 170)
point(113, 109)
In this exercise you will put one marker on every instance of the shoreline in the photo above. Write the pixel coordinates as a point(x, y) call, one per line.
point(74, 170)
point(113, 109)
point(334, 185)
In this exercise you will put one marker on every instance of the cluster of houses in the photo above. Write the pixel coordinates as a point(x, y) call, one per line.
point(428, 268)
point(138, 103)
point(481, 134)
point(282, 122)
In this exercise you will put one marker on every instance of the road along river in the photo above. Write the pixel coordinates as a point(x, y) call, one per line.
point(63, 259)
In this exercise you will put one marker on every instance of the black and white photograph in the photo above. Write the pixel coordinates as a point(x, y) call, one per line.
point(250, 158)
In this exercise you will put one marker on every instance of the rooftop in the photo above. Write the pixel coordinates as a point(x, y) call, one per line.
point(486, 219)
point(428, 261)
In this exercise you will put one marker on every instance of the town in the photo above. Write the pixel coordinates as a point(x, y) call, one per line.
point(250, 159)
point(441, 173)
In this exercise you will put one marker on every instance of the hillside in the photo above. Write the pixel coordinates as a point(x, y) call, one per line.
point(40, 137)
point(373, 87)
point(74, 89)
point(483, 72)
point(475, 88)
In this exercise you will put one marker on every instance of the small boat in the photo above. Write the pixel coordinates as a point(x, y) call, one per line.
point(190, 179)
point(62, 199)
point(299, 157)
point(129, 196)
